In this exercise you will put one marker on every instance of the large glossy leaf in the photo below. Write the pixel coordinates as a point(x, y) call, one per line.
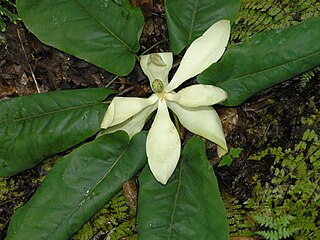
point(78, 186)
point(103, 32)
point(189, 19)
point(265, 60)
point(188, 207)
point(37, 126)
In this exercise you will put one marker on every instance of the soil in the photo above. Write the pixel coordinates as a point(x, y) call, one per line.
point(270, 118)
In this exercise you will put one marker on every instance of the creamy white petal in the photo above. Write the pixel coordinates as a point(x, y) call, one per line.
point(134, 124)
point(203, 51)
point(203, 121)
point(221, 151)
point(123, 108)
point(163, 145)
point(198, 95)
point(157, 66)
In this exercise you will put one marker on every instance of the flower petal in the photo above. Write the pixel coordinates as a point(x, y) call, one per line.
point(134, 124)
point(202, 52)
point(123, 108)
point(157, 66)
point(198, 95)
point(203, 121)
point(163, 145)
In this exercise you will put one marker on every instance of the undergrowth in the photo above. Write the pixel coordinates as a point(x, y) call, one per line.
point(307, 76)
point(114, 221)
point(7, 13)
point(288, 204)
point(256, 16)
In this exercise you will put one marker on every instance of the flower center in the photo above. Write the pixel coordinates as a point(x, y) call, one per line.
point(157, 86)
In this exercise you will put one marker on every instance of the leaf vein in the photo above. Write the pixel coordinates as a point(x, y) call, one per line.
point(90, 191)
point(103, 26)
point(267, 69)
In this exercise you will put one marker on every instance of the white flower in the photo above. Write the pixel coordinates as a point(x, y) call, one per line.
point(192, 104)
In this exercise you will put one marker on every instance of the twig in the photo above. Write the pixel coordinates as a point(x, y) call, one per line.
point(25, 55)
point(153, 46)
point(112, 81)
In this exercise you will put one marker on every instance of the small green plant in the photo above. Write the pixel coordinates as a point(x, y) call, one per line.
point(227, 159)
point(295, 188)
point(258, 16)
point(288, 204)
point(306, 77)
point(6, 13)
point(275, 228)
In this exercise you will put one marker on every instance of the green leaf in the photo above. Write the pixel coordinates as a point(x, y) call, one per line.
point(78, 186)
point(264, 60)
point(103, 32)
point(189, 19)
point(35, 127)
point(188, 207)
point(235, 152)
point(226, 160)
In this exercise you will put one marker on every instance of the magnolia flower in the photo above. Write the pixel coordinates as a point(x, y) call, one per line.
point(192, 105)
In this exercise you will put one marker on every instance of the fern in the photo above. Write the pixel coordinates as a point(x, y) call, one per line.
point(257, 16)
point(276, 228)
point(288, 204)
point(115, 220)
point(122, 231)
point(6, 13)
point(293, 191)
point(306, 77)
point(238, 223)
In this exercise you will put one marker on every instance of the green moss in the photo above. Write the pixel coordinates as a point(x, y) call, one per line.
point(257, 16)
point(115, 219)
point(10, 195)
point(288, 204)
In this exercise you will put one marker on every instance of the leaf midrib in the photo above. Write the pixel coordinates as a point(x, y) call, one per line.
point(192, 23)
point(89, 193)
point(267, 69)
point(48, 113)
point(175, 201)
point(103, 26)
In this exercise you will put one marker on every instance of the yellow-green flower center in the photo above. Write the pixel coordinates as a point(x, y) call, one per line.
point(157, 86)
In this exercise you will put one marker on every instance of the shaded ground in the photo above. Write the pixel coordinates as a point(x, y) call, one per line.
point(271, 118)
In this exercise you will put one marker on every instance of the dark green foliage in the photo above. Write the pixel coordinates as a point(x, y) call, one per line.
point(287, 205)
point(294, 189)
point(115, 219)
point(189, 207)
point(239, 223)
point(37, 126)
point(194, 18)
point(276, 228)
point(105, 33)
point(78, 186)
point(257, 16)
point(242, 73)
point(6, 13)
